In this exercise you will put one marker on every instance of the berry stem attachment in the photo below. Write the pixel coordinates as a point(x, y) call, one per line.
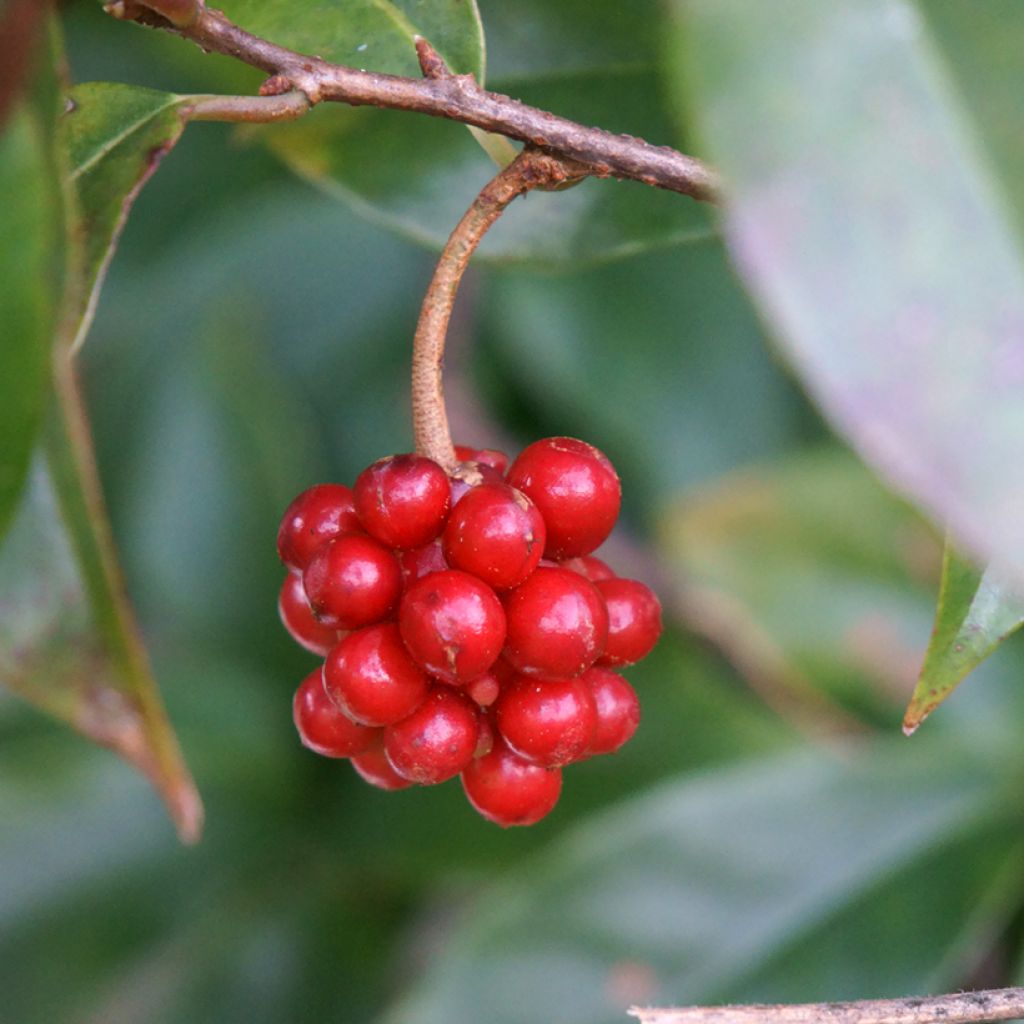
point(532, 168)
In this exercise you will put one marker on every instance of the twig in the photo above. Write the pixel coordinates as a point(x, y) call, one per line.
point(456, 97)
point(263, 109)
point(531, 169)
point(961, 1008)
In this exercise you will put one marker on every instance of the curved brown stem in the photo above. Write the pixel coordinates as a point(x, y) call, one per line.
point(531, 169)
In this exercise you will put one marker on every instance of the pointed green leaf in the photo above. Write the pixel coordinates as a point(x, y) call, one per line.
point(977, 611)
point(30, 274)
point(865, 216)
point(376, 35)
point(68, 639)
point(113, 137)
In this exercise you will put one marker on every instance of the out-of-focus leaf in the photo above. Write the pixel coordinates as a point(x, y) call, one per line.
point(418, 175)
point(113, 137)
point(872, 231)
point(376, 35)
point(68, 639)
point(31, 256)
point(811, 577)
point(708, 890)
point(977, 611)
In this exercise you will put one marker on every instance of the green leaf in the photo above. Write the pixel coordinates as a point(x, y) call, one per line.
point(68, 639)
point(376, 35)
point(745, 884)
point(30, 275)
point(418, 175)
point(812, 578)
point(868, 223)
point(113, 137)
point(976, 613)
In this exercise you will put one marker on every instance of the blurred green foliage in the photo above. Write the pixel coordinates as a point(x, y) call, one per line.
point(767, 834)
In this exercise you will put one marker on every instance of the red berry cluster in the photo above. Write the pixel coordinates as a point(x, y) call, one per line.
point(466, 627)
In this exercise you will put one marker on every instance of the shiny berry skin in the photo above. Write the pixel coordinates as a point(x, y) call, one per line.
point(374, 767)
point(453, 625)
point(468, 475)
point(576, 489)
point(437, 740)
point(485, 737)
point(315, 516)
point(485, 456)
point(507, 790)
point(590, 568)
point(557, 624)
point(550, 722)
point(299, 620)
point(484, 690)
point(352, 581)
point(371, 677)
point(496, 533)
point(634, 621)
point(402, 500)
point(322, 727)
point(417, 562)
point(618, 709)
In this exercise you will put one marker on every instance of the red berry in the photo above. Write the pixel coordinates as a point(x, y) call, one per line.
point(371, 677)
point(373, 767)
point(618, 710)
point(437, 740)
point(590, 568)
point(315, 516)
point(453, 625)
point(634, 621)
point(485, 738)
point(403, 500)
point(417, 562)
point(484, 690)
point(298, 618)
point(322, 726)
point(557, 624)
point(495, 532)
point(576, 489)
point(485, 456)
point(507, 790)
point(468, 475)
point(548, 721)
point(352, 581)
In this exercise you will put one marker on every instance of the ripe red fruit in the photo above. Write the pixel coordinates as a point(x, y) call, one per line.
point(437, 740)
point(485, 737)
point(590, 568)
point(548, 721)
point(634, 621)
point(468, 475)
point(576, 489)
point(371, 677)
point(417, 562)
point(322, 726)
point(453, 625)
point(352, 581)
point(373, 767)
point(298, 618)
point(496, 533)
point(485, 456)
point(507, 790)
point(618, 709)
point(315, 516)
point(402, 500)
point(557, 624)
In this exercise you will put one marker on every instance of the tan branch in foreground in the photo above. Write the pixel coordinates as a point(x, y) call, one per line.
point(961, 1008)
point(456, 97)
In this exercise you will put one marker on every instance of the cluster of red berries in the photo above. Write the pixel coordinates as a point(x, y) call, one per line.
point(466, 627)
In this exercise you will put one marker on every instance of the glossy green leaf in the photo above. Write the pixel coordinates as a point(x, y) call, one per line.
point(719, 888)
point(866, 219)
point(418, 175)
point(30, 275)
point(113, 137)
point(813, 579)
point(376, 35)
point(977, 611)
